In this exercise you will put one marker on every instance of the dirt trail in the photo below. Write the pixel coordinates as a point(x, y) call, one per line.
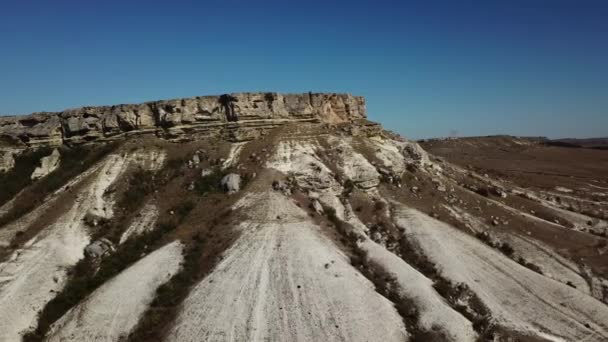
point(115, 308)
point(517, 297)
point(284, 281)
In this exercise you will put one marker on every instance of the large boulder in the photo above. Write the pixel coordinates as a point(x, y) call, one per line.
point(231, 183)
point(415, 153)
point(48, 164)
point(99, 248)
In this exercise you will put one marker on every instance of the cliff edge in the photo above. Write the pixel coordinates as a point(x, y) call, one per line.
point(238, 116)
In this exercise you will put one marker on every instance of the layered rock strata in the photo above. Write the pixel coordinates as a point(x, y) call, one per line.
point(241, 116)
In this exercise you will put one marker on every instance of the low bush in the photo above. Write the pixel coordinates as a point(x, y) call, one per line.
point(210, 183)
point(506, 249)
point(485, 238)
point(483, 192)
point(183, 209)
point(459, 296)
point(379, 206)
point(410, 253)
point(530, 265)
point(349, 187)
point(140, 184)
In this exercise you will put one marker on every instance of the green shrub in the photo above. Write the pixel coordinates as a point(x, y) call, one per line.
point(483, 192)
point(183, 209)
point(140, 185)
point(210, 183)
point(506, 249)
point(530, 265)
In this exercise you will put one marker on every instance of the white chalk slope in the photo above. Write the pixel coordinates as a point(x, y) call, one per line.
point(284, 281)
point(33, 274)
point(434, 312)
point(144, 222)
point(517, 297)
point(114, 309)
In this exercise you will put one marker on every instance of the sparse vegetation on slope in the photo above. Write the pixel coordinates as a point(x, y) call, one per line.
point(385, 283)
point(139, 186)
point(74, 161)
point(170, 295)
point(506, 249)
point(86, 277)
point(15, 180)
point(90, 273)
point(209, 183)
point(459, 296)
point(202, 253)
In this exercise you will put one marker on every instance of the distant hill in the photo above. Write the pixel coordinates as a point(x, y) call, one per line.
point(596, 143)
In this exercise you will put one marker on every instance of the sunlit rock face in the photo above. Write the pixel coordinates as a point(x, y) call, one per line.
point(241, 116)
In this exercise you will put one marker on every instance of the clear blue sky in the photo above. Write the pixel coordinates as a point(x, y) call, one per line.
point(427, 68)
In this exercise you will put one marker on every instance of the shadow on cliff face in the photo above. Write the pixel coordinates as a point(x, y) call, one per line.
point(227, 101)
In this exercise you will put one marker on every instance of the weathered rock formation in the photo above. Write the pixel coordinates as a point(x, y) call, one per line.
point(231, 183)
point(242, 116)
point(48, 164)
point(7, 160)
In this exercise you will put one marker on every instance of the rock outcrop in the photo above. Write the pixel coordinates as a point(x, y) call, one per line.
point(48, 164)
point(99, 248)
point(242, 116)
point(7, 161)
point(231, 183)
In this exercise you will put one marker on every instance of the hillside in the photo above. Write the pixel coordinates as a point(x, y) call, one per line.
point(270, 217)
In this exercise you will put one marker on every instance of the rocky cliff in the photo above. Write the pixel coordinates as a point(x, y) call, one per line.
point(242, 116)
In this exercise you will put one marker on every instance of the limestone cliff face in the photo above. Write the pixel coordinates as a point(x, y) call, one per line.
point(241, 116)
